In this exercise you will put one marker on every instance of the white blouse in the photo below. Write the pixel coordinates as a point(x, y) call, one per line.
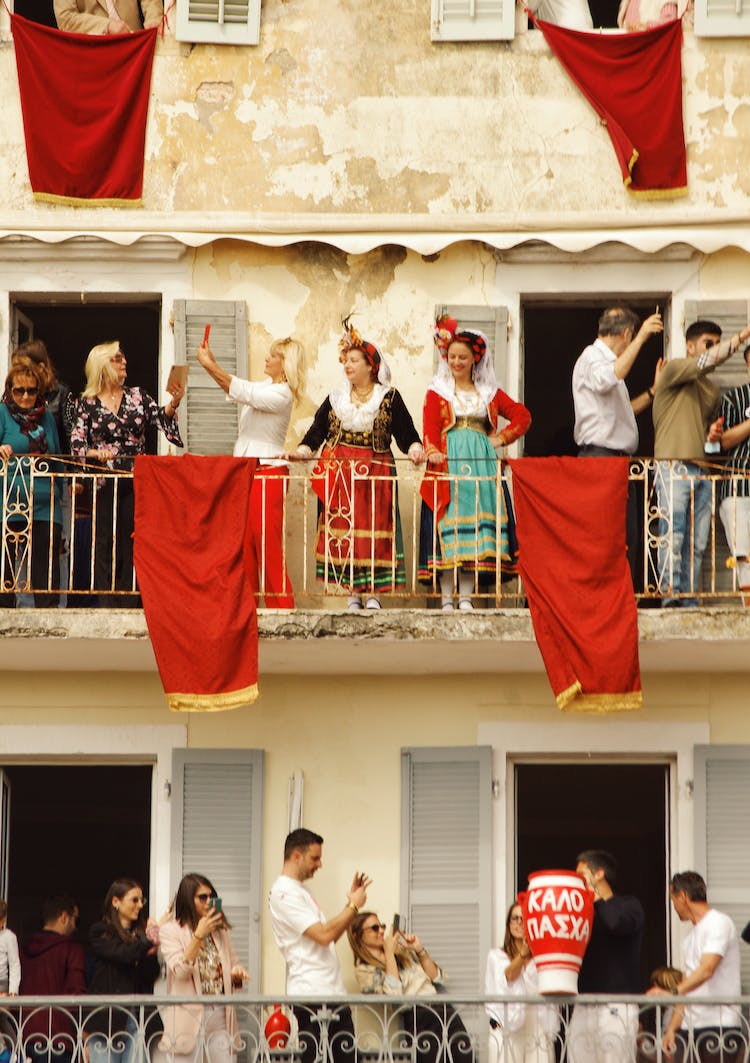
point(266, 409)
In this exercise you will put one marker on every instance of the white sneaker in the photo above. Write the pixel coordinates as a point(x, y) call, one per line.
point(373, 603)
point(448, 607)
point(465, 606)
point(354, 604)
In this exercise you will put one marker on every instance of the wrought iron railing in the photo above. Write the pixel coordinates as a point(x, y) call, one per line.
point(67, 536)
point(370, 1029)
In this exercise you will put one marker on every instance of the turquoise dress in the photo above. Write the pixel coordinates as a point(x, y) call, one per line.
point(16, 479)
point(468, 530)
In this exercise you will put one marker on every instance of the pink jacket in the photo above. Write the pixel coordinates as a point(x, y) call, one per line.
point(182, 1023)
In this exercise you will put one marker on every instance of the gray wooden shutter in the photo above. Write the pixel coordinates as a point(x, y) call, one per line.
point(722, 18)
point(218, 21)
point(217, 809)
point(721, 799)
point(493, 321)
point(446, 852)
point(472, 20)
point(210, 422)
point(731, 315)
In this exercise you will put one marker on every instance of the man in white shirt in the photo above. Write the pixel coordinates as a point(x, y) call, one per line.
point(604, 412)
point(307, 942)
point(711, 958)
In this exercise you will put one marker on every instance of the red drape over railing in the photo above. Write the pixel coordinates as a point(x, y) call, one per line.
point(84, 100)
point(192, 560)
point(573, 562)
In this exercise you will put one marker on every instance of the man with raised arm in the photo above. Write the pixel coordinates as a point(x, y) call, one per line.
point(308, 944)
point(606, 1033)
point(685, 412)
point(605, 425)
point(711, 958)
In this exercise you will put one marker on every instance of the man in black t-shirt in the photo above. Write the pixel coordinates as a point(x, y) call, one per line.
point(606, 1033)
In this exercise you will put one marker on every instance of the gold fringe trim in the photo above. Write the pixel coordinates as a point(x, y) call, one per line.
point(566, 696)
point(233, 699)
point(574, 700)
point(76, 201)
point(631, 163)
point(658, 193)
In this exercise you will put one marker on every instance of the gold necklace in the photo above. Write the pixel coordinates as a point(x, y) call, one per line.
point(362, 396)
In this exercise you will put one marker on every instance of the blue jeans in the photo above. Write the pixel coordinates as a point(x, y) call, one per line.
point(123, 1047)
point(684, 500)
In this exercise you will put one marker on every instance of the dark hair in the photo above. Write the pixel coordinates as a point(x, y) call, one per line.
point(183, 904)
point(3, 908)
point(616, 319)
point(702, 328)
point(36, 351)
point(690, 883)
point(54, 907)
point(299, 840)
point(510, 945)
point(111, 919)
point(600, 860)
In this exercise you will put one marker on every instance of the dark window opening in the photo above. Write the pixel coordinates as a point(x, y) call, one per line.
point(562, 809)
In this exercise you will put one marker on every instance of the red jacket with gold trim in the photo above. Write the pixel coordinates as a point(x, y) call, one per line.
point(438, 417)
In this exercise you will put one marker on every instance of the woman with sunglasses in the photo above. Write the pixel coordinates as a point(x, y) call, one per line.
point(200, 961)
point(519, 1034)
point(398, 964)
point(124, 946)
point(33, 499)
point(110, 429)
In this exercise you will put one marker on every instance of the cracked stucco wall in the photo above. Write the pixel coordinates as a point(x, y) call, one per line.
point(354, 110)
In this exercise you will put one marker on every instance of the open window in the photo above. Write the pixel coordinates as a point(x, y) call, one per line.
point(554, 333)
point(473, 20)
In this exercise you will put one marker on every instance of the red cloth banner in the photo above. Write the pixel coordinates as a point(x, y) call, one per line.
point(193, 561)
point(573, 562)
point(84, 101)
point(634, 83)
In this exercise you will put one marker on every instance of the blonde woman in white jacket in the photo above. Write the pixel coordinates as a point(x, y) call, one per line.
point(518, 1033)
point(197, 950)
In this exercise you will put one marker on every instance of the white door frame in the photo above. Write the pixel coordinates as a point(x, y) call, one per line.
point(584, 739)
point(68, 744)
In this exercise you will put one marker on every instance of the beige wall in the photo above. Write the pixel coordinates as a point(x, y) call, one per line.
point(345, 733)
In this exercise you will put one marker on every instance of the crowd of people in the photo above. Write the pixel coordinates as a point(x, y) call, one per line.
point(193, 944)
point(467, 532)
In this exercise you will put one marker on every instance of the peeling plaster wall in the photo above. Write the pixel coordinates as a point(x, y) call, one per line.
point(354, 110)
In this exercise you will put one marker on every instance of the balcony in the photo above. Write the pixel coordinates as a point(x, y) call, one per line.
point(103, 623)
point(433, 1029)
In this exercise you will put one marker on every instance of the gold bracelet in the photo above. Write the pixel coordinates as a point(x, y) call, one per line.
point(353, 906)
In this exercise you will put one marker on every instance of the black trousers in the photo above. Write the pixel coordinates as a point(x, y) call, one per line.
point(439, 1034)
point(114, 546)
point(340, 1033)
point(711, 1044)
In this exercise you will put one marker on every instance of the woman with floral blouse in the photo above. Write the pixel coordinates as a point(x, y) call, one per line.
point(111, 429)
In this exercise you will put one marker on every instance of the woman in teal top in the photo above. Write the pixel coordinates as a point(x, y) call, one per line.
point(30, 504)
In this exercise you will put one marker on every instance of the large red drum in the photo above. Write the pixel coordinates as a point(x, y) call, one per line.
point(558, 910)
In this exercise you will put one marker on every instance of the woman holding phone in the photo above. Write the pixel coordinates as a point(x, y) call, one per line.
point(397, 964)
point(265, 410)
point(200, 961)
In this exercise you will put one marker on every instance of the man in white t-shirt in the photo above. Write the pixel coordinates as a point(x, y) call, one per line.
point(308, 944)
point(711, 958)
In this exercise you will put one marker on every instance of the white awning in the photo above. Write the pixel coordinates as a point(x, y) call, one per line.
point(424, 234)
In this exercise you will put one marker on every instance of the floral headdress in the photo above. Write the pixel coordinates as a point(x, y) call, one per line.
point(447, 332)
point(351, 340)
